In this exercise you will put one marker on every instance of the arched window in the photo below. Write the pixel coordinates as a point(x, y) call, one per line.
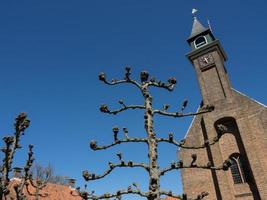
point(200, 41)
point(237, 169)
point(240, 170)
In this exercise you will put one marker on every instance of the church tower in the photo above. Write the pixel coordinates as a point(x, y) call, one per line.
point(244, 122)
point(208, 58)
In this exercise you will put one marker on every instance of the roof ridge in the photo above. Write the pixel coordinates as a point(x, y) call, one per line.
point(254, 100)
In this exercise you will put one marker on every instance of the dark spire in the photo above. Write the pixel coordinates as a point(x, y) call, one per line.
point(197, 28)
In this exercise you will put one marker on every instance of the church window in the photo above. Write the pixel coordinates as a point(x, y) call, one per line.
point(200, 41)
point(237, 169)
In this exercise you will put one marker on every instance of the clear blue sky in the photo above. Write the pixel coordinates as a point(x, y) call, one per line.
point(52, 51)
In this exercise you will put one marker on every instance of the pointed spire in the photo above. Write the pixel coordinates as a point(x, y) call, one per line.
point(197, 28)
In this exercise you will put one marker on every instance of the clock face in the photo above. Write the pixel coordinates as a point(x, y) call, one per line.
point(206, 60)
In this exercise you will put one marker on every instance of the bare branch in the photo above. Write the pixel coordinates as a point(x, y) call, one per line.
point(81, 193)
point(38, 184)
point(88, 177)
point(203, 110)
point(19, 195)
point(180, 165)
point(183, 196)
point(168, 86)
point(185, 102)
point(12, 143)
point(182, 143)
point(36, 193)
point(19, 187)
point(104, 108)
point(170, 194)
point(118, 194)
point(93, 143)
point(127, 79)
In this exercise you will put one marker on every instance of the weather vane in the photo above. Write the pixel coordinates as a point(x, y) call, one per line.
point(194, 11)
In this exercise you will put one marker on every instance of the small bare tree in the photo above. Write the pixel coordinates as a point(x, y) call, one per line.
point(38, 180)
point(12, 143)
point(41, 173)
point(40, 176)
point(152, 140)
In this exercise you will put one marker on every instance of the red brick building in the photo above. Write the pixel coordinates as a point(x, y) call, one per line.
point(244, 121)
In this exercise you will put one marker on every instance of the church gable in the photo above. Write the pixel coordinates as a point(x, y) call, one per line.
point(248, 103)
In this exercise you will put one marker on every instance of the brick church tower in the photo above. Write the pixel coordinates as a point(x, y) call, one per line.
point(244, 122)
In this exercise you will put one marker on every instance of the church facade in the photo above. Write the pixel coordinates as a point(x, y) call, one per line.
point(244, 121)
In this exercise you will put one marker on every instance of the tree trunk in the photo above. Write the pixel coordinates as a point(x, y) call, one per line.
point(154, 183)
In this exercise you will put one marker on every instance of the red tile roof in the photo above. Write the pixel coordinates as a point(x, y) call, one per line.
point(53, 192)
point(50, 192)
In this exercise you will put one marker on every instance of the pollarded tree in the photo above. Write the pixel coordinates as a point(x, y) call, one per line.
point(12, 144)
point(151, 140)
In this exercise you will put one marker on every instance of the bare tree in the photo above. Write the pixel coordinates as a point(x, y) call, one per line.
point(151, 140)
point(12, 143)
point(40, 176)
point(58, 179)
point(47, 174)
point(38, 180)
point(40, 173)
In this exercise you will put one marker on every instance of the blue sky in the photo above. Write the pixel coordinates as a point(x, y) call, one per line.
point(52, 51)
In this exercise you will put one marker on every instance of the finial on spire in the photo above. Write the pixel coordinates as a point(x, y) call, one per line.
point(194, 11)
point(209, 24)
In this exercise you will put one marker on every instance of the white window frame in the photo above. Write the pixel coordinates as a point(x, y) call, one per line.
point(200, 44)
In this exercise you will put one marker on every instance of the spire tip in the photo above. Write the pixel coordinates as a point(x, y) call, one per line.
point(194, 11)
